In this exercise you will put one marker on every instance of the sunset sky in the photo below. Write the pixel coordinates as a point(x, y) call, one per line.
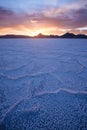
point(30, 17)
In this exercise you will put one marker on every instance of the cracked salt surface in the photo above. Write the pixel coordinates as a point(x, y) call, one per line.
point(43, 84)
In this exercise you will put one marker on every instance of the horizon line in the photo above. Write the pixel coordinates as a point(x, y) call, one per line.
point(42, 34)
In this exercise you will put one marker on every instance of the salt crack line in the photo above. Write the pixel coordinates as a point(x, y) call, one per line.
point(11, 108)
point(60, 90)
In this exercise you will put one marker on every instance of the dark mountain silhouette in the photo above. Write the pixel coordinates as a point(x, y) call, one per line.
point(81, 36)
point(66, 35)
point(14, 36)
point(71, 35)
point(40, 35)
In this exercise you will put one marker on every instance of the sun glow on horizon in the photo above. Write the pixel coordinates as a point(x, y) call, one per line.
point(30, 32)
point(37, 30)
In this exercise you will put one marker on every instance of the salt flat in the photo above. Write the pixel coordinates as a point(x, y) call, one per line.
point(43, 84)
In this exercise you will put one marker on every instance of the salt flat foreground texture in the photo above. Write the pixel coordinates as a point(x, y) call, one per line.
point(43, 84)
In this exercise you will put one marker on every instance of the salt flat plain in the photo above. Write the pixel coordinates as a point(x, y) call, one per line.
point(43, 84)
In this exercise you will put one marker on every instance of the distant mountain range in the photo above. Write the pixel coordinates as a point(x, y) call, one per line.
point(66, 35)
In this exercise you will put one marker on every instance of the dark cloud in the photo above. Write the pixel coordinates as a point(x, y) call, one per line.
point(4, 11)
point(5, 14)
point(6, 17)
point(79, 18)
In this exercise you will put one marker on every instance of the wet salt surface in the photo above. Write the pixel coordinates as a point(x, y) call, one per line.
point(43, 84)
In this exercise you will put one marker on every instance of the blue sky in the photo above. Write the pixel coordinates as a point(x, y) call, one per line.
point(28, 5)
